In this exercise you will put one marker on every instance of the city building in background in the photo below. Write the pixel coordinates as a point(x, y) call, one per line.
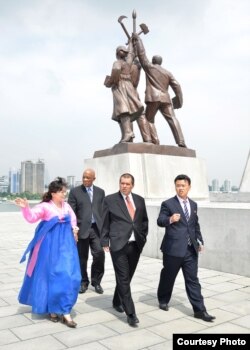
point(14, 180)
point(71, 181)
point(4, 184)
point(32, 176)
point(227, 186)
point(215, 185)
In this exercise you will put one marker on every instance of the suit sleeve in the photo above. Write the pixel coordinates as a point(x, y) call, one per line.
point(103, 196)
point(164, 216)
point(72, 201)
point(105, 225)
point(144, 221)
point(197, 229)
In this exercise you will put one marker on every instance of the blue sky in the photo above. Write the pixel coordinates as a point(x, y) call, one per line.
point(55, 54)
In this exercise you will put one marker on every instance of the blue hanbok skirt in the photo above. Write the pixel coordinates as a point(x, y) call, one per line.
point(53, 284)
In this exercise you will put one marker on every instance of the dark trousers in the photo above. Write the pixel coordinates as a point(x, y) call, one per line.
point(125, 262)
point(189, 266)
point(97, 267)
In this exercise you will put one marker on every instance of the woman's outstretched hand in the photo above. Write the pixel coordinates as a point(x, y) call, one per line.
point(21, 202)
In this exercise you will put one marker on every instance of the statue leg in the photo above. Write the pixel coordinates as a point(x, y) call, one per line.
point(126, 129)
point(122, 132)
point(168, 113)
point(153, 134)
point(144, 128)
point(151, 110)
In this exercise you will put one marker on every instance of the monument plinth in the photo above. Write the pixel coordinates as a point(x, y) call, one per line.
point(144, 147)
point(153, 166)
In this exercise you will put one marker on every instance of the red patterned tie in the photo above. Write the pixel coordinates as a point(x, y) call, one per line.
point(130, 207)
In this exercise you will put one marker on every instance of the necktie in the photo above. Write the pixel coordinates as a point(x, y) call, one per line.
point(186, 213)
point(90, 193)
point(89, 190)
point(186, 210)
point(130, 207)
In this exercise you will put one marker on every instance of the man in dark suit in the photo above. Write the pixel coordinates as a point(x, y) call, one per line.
point(124, 231)
point(87, 201)
point(180, 246)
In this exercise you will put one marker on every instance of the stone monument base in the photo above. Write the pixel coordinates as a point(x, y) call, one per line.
point(154, 172)
point(144, 147)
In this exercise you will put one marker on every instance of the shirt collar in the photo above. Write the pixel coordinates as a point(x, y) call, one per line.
point(181, 200)
point(124, 196)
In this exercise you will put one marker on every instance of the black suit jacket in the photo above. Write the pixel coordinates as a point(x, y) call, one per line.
point(175, 240)
point(117, 225)
point(80, 202)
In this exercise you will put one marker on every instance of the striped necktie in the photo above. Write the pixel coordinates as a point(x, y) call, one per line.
point(186, 213)
point(186, 210)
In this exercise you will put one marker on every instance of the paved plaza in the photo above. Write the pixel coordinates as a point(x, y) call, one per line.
point(100, 327)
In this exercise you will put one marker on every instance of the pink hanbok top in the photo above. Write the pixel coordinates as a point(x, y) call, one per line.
point(47, 210)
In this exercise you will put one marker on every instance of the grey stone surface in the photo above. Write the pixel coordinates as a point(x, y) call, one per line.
point(225, 230)
point(227, 296)
point(145, 167)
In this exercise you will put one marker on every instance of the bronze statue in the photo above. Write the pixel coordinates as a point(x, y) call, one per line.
point(124, 80)
point(127, 105)
point(157, 97)
point(141, 121)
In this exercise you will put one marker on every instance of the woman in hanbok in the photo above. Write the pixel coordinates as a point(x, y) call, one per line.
point(52, 278)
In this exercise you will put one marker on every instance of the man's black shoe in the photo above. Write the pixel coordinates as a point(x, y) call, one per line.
point(98, 288)
point(132, 320)
point(163, 306)
point(118, 308)
point(203, 315)
point(83, 288)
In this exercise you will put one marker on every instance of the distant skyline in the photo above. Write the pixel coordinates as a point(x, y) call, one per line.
point(55, 54)
point(48, 179)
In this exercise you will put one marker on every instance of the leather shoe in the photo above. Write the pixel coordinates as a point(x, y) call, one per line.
point(203, 315)
point(83, 288)
point(132, 319)
point(163, 306)
point(118, 308)
point(98, 288)
point(69, 323)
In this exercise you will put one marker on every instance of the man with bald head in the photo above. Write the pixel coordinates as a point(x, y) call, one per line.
point(157, 97)
point(87, 201)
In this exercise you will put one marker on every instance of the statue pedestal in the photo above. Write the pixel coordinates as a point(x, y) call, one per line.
point(154, 168)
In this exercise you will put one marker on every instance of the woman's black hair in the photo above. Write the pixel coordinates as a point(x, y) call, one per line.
point(55, 186)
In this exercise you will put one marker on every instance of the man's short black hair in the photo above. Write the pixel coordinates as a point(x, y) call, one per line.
point(183, 177)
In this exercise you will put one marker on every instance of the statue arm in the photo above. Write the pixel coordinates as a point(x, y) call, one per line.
point(141, 52)
point(135, 73)
point(178, 99)
point(131, 55)
point(113, 79)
